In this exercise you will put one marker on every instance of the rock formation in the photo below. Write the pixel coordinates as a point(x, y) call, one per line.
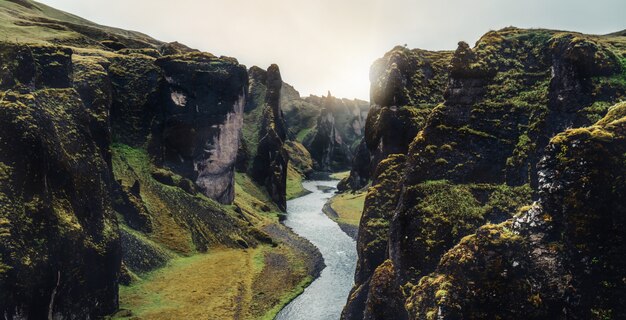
point(269, 167)
point(202, 120)
point(59, 243)
point(471, 166)
point(405, 86)
point(339, 128)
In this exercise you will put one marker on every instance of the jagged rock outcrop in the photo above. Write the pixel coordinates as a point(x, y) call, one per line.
point(359, 171)
point(338, 130)
point(473, 162)
point(561, 259)
point(373, 229)
point(269, 167)
point(405, 86)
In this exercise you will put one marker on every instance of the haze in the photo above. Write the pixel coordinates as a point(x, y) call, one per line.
point(330, 44)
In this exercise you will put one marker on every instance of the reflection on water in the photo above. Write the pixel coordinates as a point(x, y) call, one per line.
point(326, 296)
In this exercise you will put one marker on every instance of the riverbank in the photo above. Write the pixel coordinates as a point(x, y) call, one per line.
point(346, 209)
point(326, 296)
point(255, 282)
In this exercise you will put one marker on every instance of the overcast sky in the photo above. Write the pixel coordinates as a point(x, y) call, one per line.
point(323, 45)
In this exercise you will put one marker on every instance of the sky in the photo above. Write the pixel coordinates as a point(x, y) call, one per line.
point(329, 45)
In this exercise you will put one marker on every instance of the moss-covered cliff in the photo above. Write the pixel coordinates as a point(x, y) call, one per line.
point(471, 160)
point(117, 160)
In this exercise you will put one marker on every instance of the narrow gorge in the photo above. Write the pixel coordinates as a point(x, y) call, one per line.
point(145, 179)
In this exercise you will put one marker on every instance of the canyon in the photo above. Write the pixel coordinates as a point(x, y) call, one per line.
point(142, 179)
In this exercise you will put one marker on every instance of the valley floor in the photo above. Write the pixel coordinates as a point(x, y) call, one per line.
point(346, 209)
point(225, 284)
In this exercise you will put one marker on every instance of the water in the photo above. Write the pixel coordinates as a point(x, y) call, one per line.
point(326, 296)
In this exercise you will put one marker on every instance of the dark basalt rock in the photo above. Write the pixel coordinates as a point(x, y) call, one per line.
point(60, 253)
point(373, 229)
point(473, 162)
point(360, 170)
point(562, 259)
point(203, 99)
point(174, 48)
point(188, 109)
point(270, 163)
point(59, 242)
point(127, 201)
point(339, 128)
point(406, 85)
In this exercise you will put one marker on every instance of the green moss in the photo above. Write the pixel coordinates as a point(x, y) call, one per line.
point(175, 213)
point(302, 134)
point(294, 183)
point(470, 131)
point(441, 213)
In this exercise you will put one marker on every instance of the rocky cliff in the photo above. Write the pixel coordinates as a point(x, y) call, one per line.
point(117, 153)
point(57, 108)
point(339, 127)
point(472, 161)
point(322, 134)
point(405, 86)
point(59, 240)
point(269, 167)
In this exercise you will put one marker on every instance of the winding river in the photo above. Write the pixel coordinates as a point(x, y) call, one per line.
point(326, 296)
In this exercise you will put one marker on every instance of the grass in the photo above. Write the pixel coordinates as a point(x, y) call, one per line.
point(223, 284)
point(252, 199)
point(195, 287)
point(302, 134)
point(287, 298)
point(294, 183)
point(340, 175)
point(40, 24)
point(349, 207)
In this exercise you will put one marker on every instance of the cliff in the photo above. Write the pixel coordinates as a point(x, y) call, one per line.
point(117, 158)
point(322, 134)
point(562, 258)
point(405, 86)
point(269, 167)
point(471, 160)
point(339, 128)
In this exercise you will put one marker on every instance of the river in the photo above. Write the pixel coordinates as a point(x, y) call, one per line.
point(326, 296)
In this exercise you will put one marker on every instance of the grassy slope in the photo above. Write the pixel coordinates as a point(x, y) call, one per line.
point(28, 21)
point(223, 283)
point(340, 175)
point(294, 183)
point(348, 207)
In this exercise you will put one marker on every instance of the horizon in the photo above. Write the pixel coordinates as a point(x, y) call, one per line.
point(332, 50)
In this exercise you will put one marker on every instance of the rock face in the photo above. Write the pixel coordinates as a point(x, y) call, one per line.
point(339, 128)
point(119, 128)
point(471, 165)
point(563, 258)
point(323, 133)
point(59, 242)
point(203, 99)
point(405, 86)
point(269, 167)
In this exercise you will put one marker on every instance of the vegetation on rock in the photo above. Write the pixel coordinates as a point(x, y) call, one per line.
point(472, 161)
